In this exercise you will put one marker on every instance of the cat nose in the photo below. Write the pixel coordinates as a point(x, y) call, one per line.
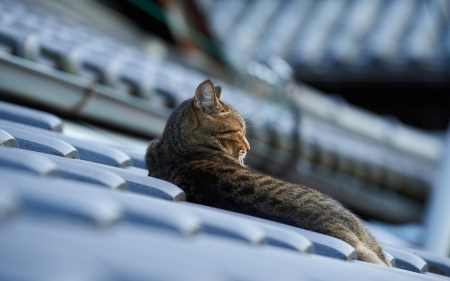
point(247, 145)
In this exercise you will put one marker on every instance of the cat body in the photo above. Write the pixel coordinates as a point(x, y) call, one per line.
point(201, 150)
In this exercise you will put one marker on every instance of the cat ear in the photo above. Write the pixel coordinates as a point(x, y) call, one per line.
point(205, 95)
point(218, 92)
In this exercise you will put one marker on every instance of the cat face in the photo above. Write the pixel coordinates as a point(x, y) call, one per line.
point(216, 124)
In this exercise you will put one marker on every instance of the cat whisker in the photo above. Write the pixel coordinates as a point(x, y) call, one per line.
point(244, 114)
point(248, 119)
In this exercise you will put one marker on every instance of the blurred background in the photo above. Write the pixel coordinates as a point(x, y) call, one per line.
point(350, 97)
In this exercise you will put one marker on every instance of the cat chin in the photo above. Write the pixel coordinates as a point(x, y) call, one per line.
point(241, 161)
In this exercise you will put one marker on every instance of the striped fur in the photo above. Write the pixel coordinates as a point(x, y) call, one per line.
point(200, 151)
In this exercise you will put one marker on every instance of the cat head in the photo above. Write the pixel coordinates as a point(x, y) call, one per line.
point(209, 123)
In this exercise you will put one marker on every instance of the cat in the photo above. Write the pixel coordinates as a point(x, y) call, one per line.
point(202, 150)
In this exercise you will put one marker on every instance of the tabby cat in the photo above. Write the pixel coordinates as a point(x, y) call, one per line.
point(202, 149)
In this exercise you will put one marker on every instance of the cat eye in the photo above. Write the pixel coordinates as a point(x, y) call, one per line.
point(230, 132)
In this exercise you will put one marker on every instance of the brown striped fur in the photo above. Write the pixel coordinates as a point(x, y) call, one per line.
point(202, 150)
